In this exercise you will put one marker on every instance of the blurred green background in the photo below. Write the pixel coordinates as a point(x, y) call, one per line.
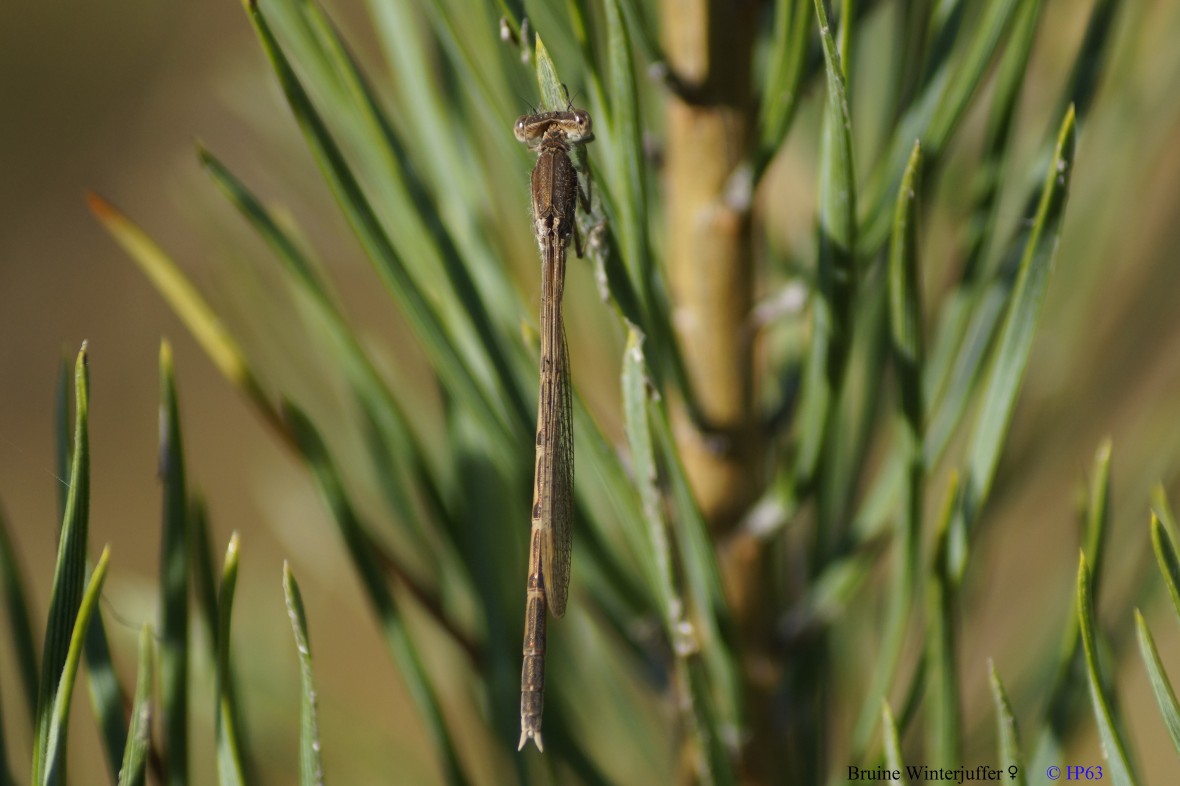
point(110, 97)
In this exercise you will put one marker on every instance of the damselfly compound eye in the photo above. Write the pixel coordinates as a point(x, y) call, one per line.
point(582, 130)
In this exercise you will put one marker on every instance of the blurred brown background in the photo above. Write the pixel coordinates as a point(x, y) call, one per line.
point(111, 96)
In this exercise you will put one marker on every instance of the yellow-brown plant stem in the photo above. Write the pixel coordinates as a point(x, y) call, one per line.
point(709, 115)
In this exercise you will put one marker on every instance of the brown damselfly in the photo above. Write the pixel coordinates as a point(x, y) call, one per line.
point(555, 196)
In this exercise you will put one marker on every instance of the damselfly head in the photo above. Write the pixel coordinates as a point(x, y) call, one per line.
point(572, 124)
